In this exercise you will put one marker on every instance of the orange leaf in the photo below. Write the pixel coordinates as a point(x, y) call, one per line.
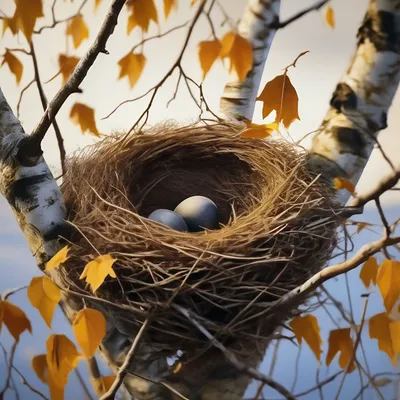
point(193, 2)
point(62, 357)
point(97, 270)
point(14, 64)
point(44, 295)
point(387, 332)
point(15, 319)
point(281, 96)
point(388, 280)
point(330, 17)
point(39, 365)
point(307, 328)
point(340, 183)
point(341, 341)
point(239, 52)
point(25, 16)
point(143, 12)
point(60, 257)
point(78, 30)
point(96, 3)
point(209, 51)
point(11, 24)
point(67, 65)
point(369, 272)
point(168, 6)
point(103, 384)
point(89, 328)
point(132, 66)
point(83, 116)
point(255, 131)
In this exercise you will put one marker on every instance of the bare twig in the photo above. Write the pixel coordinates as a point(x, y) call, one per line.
point(22, 94)
point(56, 22)
point(356, 343)
point(320, 385)
point(241, 367)
point(330, 272)
point(123, 371)
point(300, 14)
point(9, 370)
point(28, 385)
point(32, 147)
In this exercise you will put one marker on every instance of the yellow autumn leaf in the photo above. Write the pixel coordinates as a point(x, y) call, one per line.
point(14, 319)
point(387, 333)
point(39, 365)
point(388, 280)
point(281, 96)
point(103, 384)
point(168, 6)
point(96, 3)
point(209, 51)
point(26, 14)
point(89, 328)
point(83, 116)
point(11, 24)
point(97, 270)
point(193, 2)
point(142, 13)
point(341, 341)
point(13, 64)
point(239, 52)
point(132, 66)
point(341, 183)
point(255, 131)
point(67, 65)
point(369, 272)
point(307, 328)
point(59, 258)
point(78, 30)
point(44, 295)
point(62, 357)
point(330, 17)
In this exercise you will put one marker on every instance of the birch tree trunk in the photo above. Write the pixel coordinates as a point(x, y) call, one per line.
point(256, 25)
point(359, 106)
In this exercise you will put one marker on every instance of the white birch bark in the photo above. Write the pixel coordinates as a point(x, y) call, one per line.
point(239, 98)
point(359, 106)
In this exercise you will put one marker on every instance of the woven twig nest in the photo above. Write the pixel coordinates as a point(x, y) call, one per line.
point(270, 241)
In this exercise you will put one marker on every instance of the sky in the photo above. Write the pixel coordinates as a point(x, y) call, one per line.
point(314, 78)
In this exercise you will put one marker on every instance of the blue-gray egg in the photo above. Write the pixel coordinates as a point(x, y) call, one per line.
point(199, 212)
point(169, 218)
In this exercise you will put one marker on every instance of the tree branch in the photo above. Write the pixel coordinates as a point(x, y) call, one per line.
point(123, 371)
point(239, 98)
point(359, 106)
point(241, 367)
point(32, 147)
point(43, 100)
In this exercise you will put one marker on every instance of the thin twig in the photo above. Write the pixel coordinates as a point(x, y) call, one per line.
point(123, 371)
point(32, 148)
point(241, 367)
point(356, 343)
point(300, 14)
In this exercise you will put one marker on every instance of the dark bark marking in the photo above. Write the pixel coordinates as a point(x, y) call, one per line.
point(343, 97)
point(382, 29)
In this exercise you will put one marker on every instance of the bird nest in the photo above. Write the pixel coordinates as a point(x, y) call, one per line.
point(277, 229)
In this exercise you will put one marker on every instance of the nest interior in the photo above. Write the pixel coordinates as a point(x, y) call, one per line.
point(270, 240)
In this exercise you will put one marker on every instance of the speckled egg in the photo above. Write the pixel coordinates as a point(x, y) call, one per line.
point(199, 212)
point(169, 218)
